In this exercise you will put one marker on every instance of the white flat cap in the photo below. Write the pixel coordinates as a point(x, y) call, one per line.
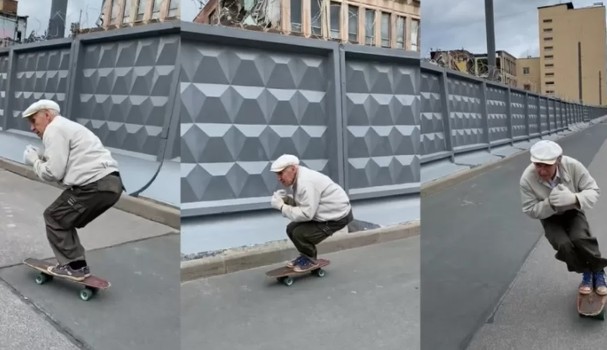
point(545, 151)
point(40, 105)
point(284, 161)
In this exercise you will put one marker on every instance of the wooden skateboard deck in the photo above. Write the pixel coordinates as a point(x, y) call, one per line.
point(285, 274)
point(591, 305)
point(92, 284)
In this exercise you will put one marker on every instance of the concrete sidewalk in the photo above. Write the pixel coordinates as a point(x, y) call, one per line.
point(139, 257)
point(544, 293)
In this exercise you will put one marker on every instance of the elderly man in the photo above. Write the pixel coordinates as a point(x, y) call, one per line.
point(558, 190)
point(318, 208)
point(75, 157)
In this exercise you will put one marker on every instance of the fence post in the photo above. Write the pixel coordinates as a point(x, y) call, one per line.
point(444, 92)
point(485, 115)
point(10, 81)
point(527, 122)
point(509, 115)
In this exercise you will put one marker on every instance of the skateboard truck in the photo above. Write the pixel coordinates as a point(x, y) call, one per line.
point(285, 275)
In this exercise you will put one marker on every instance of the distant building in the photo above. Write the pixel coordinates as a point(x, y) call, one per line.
point(12, 27)
point(383, 23)
point(476, 64)
point(562, 29)
point(121, 13)
point(528, 74)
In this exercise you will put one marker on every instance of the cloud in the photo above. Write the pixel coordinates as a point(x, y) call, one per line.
point(462, 25)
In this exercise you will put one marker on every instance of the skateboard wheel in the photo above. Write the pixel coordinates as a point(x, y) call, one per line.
point(288, 281)
point(86, 294)
point(319, 272)
point(43, 278)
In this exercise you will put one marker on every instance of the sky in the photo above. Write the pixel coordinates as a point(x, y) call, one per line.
point(462, 25)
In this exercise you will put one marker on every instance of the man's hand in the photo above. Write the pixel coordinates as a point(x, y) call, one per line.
point(30, 155)
point(561, 196)
point(277, 201)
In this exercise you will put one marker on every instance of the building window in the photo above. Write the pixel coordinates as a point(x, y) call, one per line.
point(549, 91)
point(315, 12)
point(549, 83)
point(174, 8)
point(548, 48)
point(549, 74)
point(126, 15)
point(370, 26)
point(527, 87)
point(335, 12)
point(142, 4)
point(385, 29)
point(414, 34)
point(296, 16)
point(156, 9)
point(525, 70)
point(352, 23)
point(547, 30)
point(547, 21)
point(115, 10)
point(400, 32)
point(549, 65)
point(548, 38)
point(549, 57)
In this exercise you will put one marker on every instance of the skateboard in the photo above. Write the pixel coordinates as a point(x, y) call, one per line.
point(92, 284)
point(591, 305)
point(285, 274)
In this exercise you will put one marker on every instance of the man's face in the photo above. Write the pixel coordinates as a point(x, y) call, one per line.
point(287, 175)
point(546, 171)
point(39, 122)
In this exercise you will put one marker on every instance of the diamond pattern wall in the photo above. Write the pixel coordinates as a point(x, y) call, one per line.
point(551, 114)
point(38, 75)
point(517, 109)
point(124, 91)
point(497, 113)
point(533, 114)
point(432, 130)
point(465, 112)
point(543, 116)
point(241, 109)
point(383, 131)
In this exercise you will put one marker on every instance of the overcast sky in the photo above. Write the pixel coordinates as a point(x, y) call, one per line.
point(461, 24)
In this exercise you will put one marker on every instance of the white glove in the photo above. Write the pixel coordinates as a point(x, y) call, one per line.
point(30, 155)
point(277, 201)
point(561, 196)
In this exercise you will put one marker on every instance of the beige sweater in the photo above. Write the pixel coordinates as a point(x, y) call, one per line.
point(317, 198)
point(572, 174)
point(73, 155)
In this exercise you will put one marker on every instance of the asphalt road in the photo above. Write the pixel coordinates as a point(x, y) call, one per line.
point(544, 293)
point(139, 257)
point(369, 299)
point(474, 240)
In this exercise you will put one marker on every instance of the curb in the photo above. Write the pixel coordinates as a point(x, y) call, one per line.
point(143, 207)
point(238, 259)
point(434, 186)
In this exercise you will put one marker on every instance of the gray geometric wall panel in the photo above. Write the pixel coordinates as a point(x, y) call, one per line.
point(465, 112)
point(433, 133)
point(521, 118)
point(383, 136)
point(517, 108)
point(241, 109)
point(497, 113)
point(124, 89)
point(38, 74)
point(533, 115)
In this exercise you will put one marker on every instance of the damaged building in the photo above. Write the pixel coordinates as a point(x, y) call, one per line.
point(382, 23)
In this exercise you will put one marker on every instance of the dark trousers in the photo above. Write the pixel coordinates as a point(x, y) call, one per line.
point(569, 234)
point(306, 235)
point(75, 208)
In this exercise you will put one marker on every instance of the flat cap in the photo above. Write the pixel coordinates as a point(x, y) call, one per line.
point(284, 161)
point(545, 151)
point(40, 105)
